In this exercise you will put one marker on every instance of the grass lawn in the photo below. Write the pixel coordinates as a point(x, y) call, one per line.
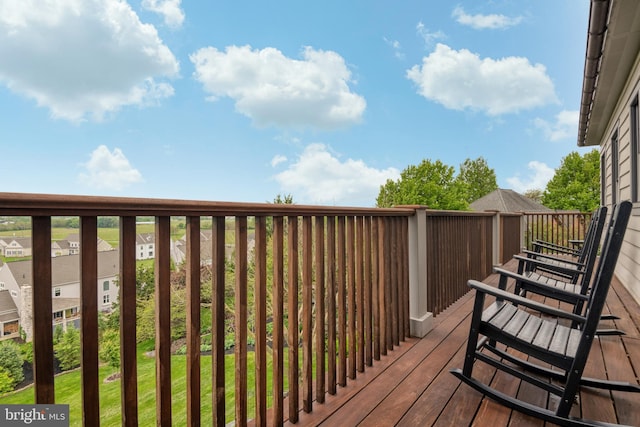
point(68, 391)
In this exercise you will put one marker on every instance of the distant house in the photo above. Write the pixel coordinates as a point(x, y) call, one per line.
point(145, 246)
point(71, 246)
point(15, 247)
point(60, 248)
point(179, 249)
point(9, 317)
point(502, 200)
point(16, 278)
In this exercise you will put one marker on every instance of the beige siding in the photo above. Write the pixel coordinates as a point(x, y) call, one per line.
point(628, 268)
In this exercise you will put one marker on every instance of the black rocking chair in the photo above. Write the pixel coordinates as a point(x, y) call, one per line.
point(537, 330)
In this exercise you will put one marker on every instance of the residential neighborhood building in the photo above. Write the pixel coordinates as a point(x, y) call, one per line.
point(20, 247)
point(16, 279)
point(179, 249)
point(610, 117)
point(145, 246)
point(15, 247)
point(9, 317)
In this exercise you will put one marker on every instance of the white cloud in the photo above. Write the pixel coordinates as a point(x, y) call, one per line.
point(82, 57)
point(277, 159)
point(460, 79)
point(395, 45)
point(540, 174)
point(481, 22)
point(109, 170)
point(429, 37)
point(272, 89)
point(565, 126)
point(319, 177)
point(169, 9)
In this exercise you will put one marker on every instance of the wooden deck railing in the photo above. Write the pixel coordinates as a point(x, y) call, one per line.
point(336, 279)
point(511, 237)
point(321, 291)
point(559, 227)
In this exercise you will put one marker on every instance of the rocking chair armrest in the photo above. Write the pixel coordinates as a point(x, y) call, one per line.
point(537, 255)
point(554, 247)
point(519, 300)
point(566, 270)
point(533, 282)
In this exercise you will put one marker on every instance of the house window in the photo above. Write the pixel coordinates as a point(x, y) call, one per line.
point(105, 286)
point(150, 254)
point(14, 294)
point(614, 168)
point(105, 299)
point(635, 134)
point(57, 315)
point(1, 286)
point(603, 179)
point(56, 292)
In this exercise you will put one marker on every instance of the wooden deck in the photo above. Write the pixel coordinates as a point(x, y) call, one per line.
point(412, 386)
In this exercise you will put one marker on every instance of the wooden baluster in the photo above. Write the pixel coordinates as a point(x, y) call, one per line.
point(375, 288)
point(193, 321)
point(351, 298)
point(241, 321)
point(294, 371)
point(260, 304)
point(307, 315)
point(218, 318)
point(368, 315)
point(278, 322)
point(128, 356)
point(331, 304)
point(342, 302)
point(42, 310)
point(319, 307)
point(163, 320)
point(359, 266)
point(89, 323)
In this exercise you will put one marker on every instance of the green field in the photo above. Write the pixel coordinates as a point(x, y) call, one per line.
point(68, 391)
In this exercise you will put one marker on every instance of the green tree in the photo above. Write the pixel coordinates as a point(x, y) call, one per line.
point(67, 350)
point(110, 348)
point(534, 194)
point(430, 183)
point(6, 382)
point(11, 362)
point(576, 183)
point(477, 179)
point(286, 199)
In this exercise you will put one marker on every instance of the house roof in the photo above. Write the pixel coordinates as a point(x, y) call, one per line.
point(502, 200)
point(145, 238)
point(613, 43)
point(24, 242)
point(66, 269)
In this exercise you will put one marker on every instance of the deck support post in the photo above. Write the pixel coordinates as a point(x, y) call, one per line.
point(421, 320)
point(496, 253)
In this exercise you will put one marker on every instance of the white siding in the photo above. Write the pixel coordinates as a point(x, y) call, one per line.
point(628, 268)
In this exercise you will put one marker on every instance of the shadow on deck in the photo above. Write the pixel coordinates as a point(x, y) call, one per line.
point(412, 386)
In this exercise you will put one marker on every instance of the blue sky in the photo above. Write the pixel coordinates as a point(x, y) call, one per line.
point(243, 100)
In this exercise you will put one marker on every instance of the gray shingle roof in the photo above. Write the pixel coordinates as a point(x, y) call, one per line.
point(502, 200)
point(66, 269)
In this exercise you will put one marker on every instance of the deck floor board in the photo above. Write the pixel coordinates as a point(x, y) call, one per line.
point(412, 386)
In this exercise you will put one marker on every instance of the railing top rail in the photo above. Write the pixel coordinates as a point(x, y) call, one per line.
point(436, 212)
point(32, 204)
point(557, 212)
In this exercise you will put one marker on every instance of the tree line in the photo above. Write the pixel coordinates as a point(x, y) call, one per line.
point(574, 186)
